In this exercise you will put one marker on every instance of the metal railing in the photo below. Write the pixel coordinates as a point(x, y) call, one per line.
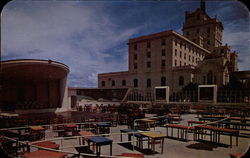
point(233, 96)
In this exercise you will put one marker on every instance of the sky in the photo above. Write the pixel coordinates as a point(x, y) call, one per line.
point(91, 36)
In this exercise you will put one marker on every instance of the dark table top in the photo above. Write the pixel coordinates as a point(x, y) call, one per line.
point(103, 124)
point(99, 140)
point(128, 130)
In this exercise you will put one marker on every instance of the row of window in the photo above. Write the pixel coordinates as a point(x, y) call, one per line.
point(184, 63)
point(163, 43)
point(148, 64)
point(148, 84)
point(182, 44)
point(210, 78)
point(185, 56)
point(163, 53)
point(190, 48)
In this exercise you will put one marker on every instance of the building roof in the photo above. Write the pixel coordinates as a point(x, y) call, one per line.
point(165, 34)
point(113, 73)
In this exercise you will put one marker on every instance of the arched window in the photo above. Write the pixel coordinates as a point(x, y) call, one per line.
point(103, 83)
point(210, 77)
point(163, 81)
point(204, 79)
point(181, 81)
point(148, 83)
point(135, 82)
point(123, 82)
point(113, 83)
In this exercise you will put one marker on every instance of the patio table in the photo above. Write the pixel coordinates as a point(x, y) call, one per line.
point(147, 123)
point(100, 141)
point(71, 126)
point(45, 153)
point(85, 135)
point(129, 131)
point(37, 132)
point(103, 127)
point(181, 130)
point(48, 144)
point(154, 137)
point(215, 133)
point(70, 130)
point(37, 128)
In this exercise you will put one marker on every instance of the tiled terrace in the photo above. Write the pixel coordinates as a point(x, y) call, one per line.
point(172, 146)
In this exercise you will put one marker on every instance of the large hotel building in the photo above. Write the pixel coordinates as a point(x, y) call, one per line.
point(171, 59)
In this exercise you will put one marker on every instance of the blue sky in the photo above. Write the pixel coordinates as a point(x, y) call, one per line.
point(91, 36)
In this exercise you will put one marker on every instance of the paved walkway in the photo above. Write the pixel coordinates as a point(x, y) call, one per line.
point(173, 148)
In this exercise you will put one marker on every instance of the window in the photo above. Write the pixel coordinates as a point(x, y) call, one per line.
point(123, 82)
point(208, 42)
point(192, 59)
point(184, 64)
point(187, 33)
point(181, 81)
point(175, 41)
point(175, 62)
point(180, 54)
point(204, 79)
point(148, 64)
point(135, 65)
point(163, 81)
point(135, 82)
point(180, 44)
point(180, 63)
point(198, 17)
point(208, 30)
point(198, 31)
point(148, 83)
point(163, 63)
point(163, 52)
point(185, 46)
point(135, 56)
point(148, 54)
point(113, 83)
point(148, 45)
point(175, 52)
point(189, 58)
point(135, 47)
point(210, 77)
point(222, 51)
point(184, 55)
point(163, 42)
point(103, 83)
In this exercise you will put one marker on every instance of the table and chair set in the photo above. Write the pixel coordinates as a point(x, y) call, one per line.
point(152, 138)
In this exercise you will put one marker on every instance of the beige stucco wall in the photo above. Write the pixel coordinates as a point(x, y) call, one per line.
point(173, 43)
point(218, 69)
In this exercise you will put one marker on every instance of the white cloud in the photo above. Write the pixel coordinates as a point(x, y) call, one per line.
point(76, 35)
point(240, 42)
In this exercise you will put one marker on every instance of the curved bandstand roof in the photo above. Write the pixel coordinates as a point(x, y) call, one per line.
point(33, 69)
